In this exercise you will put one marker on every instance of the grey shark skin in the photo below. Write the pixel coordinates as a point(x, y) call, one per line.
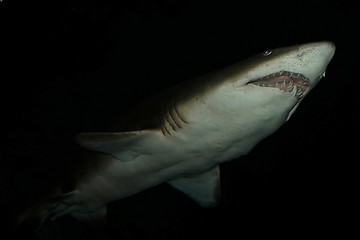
point(182, 135)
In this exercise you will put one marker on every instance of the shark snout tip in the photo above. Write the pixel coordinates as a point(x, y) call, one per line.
point(327, 46)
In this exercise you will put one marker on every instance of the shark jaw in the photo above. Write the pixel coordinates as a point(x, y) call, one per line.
point(294, 83)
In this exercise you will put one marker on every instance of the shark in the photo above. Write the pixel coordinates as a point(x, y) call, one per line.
point(181, 135)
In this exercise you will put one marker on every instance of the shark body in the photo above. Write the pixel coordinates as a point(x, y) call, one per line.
point(182, 135)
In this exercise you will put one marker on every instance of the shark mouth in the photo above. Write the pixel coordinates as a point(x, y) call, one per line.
point(294, 83)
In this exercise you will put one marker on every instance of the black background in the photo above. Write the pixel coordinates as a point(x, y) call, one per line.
point(70, 66)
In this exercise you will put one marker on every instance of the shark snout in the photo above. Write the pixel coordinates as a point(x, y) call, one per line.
point(326, 48)
point(314, 58)
point(323, 51)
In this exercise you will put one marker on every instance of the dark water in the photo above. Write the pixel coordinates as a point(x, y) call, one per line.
point(71, 66)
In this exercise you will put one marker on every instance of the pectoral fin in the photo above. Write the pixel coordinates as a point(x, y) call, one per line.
point(203, 188)
point(124, 146)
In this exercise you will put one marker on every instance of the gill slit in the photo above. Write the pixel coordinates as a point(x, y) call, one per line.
point(174, 116)
point(178, 114)
point(164, 130)
point(170, 117)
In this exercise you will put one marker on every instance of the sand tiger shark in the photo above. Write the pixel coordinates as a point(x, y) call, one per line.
point(181, 135)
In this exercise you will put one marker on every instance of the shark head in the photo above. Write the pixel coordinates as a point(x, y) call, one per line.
point(282, 76)
point(253, 98)
point(304, 64)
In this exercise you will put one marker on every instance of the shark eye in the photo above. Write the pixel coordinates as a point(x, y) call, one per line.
point(267, 53)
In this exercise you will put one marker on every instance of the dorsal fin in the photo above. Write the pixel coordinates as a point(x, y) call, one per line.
point(124, 146)
point(203, 188)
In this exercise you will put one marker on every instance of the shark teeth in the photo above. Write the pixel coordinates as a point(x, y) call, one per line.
point(294, 83)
